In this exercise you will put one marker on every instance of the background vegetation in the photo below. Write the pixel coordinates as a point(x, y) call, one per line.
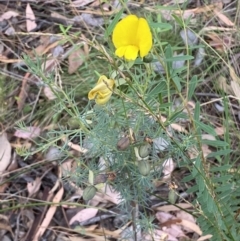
point(159, 161)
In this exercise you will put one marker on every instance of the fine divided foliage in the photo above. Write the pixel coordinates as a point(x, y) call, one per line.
point(139, 128)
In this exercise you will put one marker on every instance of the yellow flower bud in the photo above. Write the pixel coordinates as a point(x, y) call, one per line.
point(102, 91)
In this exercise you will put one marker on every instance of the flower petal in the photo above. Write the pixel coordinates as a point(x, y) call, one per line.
point(92, 94)
point(144, 37)
point(131, 52)
point(102, 78)
point(109, 83)
point(102, 91)
point(103, 100)
point(131, 35)
point(121, 51)
point(125, 31)
point(99, 88)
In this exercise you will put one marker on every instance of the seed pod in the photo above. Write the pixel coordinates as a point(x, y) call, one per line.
point(143, 167)
point(123, 143)
point(144, 150)
point(172, 196)
point(89, 192)
point(73, 123)
point(148, 59)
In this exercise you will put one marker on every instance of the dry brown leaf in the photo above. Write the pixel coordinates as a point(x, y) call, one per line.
point(223, 18)
point(57, 183)
point(44, 42)
point(100, 234)
point(174, 230)
point(74, 146)
point(4, 59)
point(192, 226)
point(223, 85)
point(179, 1)
point(5, 152)
point(91, 227)
point(170, 208)
point(24, 92)
point(163, 217)
point(71, 200)
point(192, 12)
point(159, 235)
point(46, 196)
point(84, 215)
point(49, 93)
point(1, 49)
point(234, 75)
point(4, 186)
point(49, 215)
point(10, 31)
point(81, 239)
point(191, 105)
point(220, 42)
point(7, 15)
point(176, 127)
point(97, 3)
point(28, 132)
point(29, 217)
point(105, 195)
point(75, 60)
point(208, 137)
point(30, 18)
point(205, 148)
point(80, 3)
point(46, 45)
point(192, 152)
point(205, 237)
point(186, 216)
point(4, 218)
point(220, 130)
point(170, 224)
point(188, 13)
point(94, 202)
point(34, 186)
point(168, 168)
point(4, 226)
point(50, 65)
point(216, 28)
point(99, 197)
point(60, 16)
point(236, 89)
point(216, 42)
point(14, 163)
point(26, 144)
point(66, 167)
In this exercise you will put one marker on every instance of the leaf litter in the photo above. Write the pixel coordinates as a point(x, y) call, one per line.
point(39, 175)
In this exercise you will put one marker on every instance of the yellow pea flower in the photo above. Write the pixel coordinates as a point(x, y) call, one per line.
point(130, 36)
point(102, 91)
